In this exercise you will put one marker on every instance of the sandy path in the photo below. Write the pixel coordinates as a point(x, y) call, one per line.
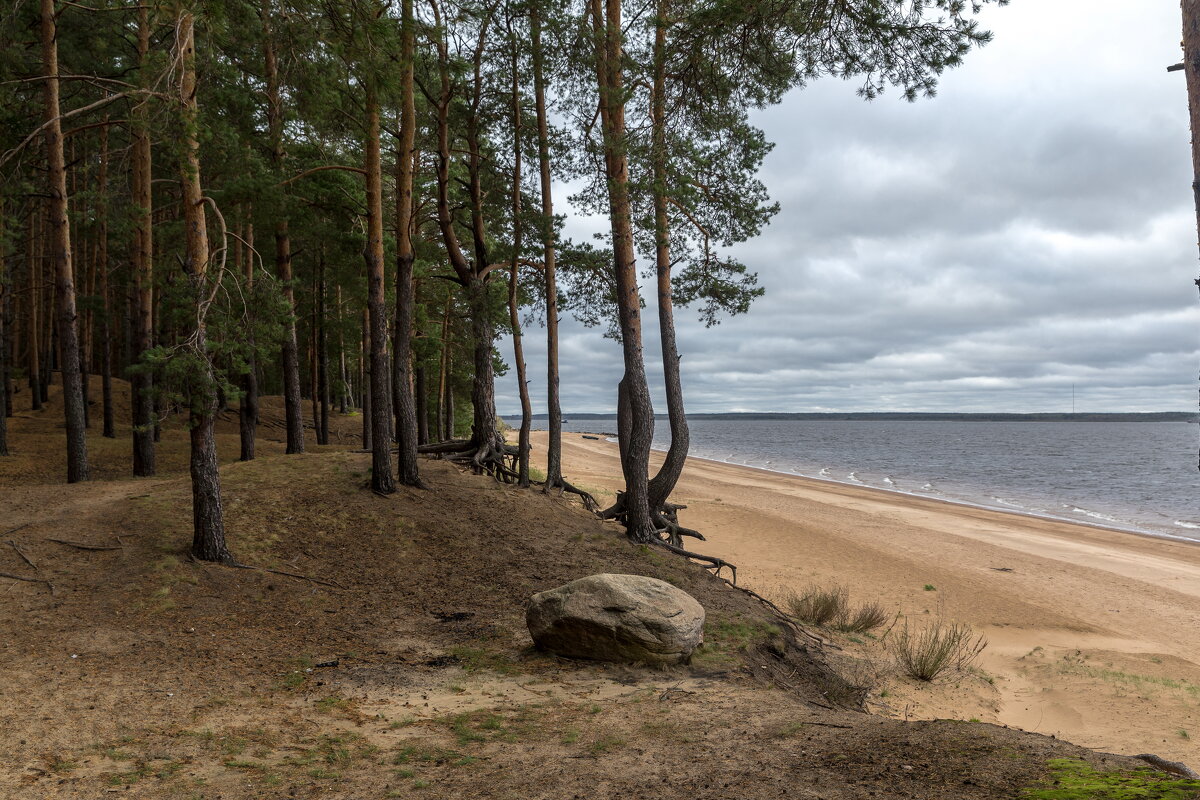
point(1095, 634)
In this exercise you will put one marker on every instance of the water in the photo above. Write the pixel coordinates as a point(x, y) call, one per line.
point(1137, 476)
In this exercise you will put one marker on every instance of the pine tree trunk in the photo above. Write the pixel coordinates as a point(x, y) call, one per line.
point(421, 392)
point(1191, 66)
point(34, 327)
point(554, 477)
point(141, 383)
point(663, 483)
point(5, 293)
point(109, 429)
point(248, 408)
point(445, 427)
point(290, 355)
point(381, 467)
point(364, 377)
point(635, 412)
point(60, 241)
point(513, 280)
point(407, 435)
point(208, 533)
point(322, 423)
point(343, 375)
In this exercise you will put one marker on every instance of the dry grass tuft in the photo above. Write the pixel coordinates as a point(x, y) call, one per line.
point(937, 648)
point(830, 608)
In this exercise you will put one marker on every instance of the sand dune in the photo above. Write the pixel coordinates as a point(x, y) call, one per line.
point(1094, 634)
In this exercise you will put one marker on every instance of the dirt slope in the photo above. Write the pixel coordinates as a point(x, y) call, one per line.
point(403, 668)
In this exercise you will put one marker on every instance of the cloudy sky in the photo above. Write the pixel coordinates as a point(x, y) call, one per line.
point(1028, 230)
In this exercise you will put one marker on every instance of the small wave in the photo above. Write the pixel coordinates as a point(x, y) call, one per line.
point(889, 481)
point(1191, 525)
point(1092, 514)
point(824, 471)
point(928, 488)
point(853, 476)
point(1008, 503)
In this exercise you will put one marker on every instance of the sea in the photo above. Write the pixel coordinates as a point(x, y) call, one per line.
point(1133, 476)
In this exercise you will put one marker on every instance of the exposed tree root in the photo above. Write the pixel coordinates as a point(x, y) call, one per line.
point(27, 580)
point(235, 564)
point(563, 485)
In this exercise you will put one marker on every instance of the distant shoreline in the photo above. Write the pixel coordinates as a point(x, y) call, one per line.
point(904, 416)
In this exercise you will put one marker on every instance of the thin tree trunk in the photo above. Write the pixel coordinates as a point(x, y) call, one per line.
point(421, 392)
point(248, 409)
point(513, 280)
point(83, 264)
point(364, 377)
point(343, 376)
point(445, 428)
point(407, 435)
point(381, 467)
point(109, 429)
point(77, 461)
point(635, 412)
point(322, 422)
point(663, 483)
point(290, 355)
point(141, 382)
point(5, 293)
point(554, 477)
point(34, 332)
point(208, 537)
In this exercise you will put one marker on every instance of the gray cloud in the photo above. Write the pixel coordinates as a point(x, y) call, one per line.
point(1028, 231)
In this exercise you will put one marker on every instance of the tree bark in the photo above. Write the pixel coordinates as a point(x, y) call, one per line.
point(381, 468)
point(208, 524)
point(445, 410)
point(421, 392)
point(290, 355)
point(5, 294)
point(321, 423)
point(635, 412)
point(60, 243)
point(141, 382)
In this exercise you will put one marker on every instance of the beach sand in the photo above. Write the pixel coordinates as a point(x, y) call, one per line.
point(1094, 635)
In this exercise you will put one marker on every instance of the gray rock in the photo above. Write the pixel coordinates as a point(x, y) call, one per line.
point(628, 618)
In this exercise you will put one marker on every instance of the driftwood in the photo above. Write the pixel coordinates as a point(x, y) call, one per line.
point(13, 545)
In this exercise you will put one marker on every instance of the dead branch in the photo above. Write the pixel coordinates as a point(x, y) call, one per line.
point(318, 581)
point(19, 527)
point(1173, 767)
point(27, 580)
point(23, 556)
point(85, 546)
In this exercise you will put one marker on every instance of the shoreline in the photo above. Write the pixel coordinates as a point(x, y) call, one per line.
point(1092, 631)
point(1142, 532)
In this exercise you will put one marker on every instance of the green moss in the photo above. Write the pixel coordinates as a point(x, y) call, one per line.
point(1071, 779)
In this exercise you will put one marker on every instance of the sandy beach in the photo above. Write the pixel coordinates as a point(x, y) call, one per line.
point(1094, 635)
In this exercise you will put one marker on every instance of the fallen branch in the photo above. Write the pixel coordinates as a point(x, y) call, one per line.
point(23, 556)
point(84, 546)
point(19, 527)
point(1173, 767)
point(318, 581)
point(27, 580)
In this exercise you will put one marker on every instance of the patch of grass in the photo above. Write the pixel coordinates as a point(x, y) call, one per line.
point(606, 743)
point(725, 638)
point(475, 659)
point(401, 723)
point(239, 764)
point(430, 755)
point(1134, 679)
point(324, 774)
point(937, 648)
point(570, 736)
point(334, 702)
point(1183, 734)
point(59, 765)
point(479, 726)
point(929, 587)
point(1071, 779)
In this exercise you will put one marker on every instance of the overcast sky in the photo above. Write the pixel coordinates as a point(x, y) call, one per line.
point(1028, 230)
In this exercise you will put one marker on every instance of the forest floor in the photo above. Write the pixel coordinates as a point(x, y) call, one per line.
point(401, 666)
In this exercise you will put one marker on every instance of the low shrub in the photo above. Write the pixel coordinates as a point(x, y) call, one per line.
point(937, 648)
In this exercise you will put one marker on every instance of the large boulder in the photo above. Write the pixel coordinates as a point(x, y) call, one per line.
point(617, 618)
